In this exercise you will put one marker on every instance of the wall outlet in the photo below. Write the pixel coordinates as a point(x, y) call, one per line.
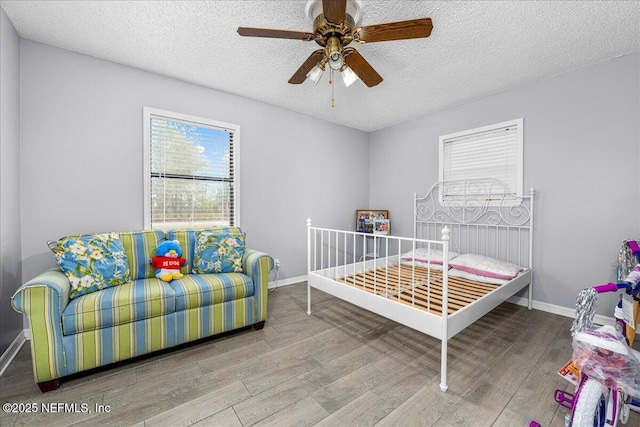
point(276, 263)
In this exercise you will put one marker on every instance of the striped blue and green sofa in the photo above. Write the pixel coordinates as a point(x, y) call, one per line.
point(141, 316)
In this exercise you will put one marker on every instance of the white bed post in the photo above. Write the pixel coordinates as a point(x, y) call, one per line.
point(445, 308)
point(308, 266)
point(415, 215)
point(531, 194)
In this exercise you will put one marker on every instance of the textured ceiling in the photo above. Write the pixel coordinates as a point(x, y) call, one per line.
point(477, 48)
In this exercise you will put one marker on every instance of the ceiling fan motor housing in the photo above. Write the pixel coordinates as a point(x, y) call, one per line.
point(314, 12)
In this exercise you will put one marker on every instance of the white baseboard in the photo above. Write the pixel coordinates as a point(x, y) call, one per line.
point(544, 306)
point(289, 281)
point(8, 356)
point(563, 311)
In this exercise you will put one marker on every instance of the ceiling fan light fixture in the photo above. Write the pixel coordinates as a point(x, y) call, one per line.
point(315, 73)
point(348, 76)
point(334, 55)
point(336, 61)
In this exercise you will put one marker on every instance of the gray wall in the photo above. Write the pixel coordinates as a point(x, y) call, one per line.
point(581, 151)
point(10, 259)
point(75, 122)
point(82, 157)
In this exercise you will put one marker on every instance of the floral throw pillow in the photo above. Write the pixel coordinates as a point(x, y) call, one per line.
point(218, 252)
point(92, 262)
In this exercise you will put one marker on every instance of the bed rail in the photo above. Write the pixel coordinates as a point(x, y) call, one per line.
point(345, 255)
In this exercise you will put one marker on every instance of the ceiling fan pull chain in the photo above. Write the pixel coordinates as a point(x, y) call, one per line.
point(333, 102)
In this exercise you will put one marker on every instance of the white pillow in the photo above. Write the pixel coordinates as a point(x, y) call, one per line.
point(476, 278)
point(425, 257)
point(486, 266)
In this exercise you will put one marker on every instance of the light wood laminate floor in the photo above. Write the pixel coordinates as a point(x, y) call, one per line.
point(341, 366)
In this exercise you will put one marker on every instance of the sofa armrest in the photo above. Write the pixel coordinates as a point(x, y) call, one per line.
point(258, 265)
point(53, 279)
point(42, 300)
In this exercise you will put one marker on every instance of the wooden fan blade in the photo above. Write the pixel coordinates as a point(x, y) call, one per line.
point(276, 34)
point(402, 30)
point(334, 10)
point(361, 67)
point(301, 75)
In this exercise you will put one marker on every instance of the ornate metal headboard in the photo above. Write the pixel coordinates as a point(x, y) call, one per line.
point(483, 215)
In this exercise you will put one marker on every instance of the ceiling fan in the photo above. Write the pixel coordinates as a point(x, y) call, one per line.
point(335, 26)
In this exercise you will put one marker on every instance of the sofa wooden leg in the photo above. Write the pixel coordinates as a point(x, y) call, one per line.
point(49, 385)
point(259, 325)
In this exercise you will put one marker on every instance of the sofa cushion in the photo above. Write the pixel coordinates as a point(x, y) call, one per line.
point(92, 262)
point(140, 299)
point(140, 246)
point(218, 252)
point(200, 290)
point(187, 239)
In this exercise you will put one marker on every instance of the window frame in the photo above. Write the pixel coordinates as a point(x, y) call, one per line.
point(519, 178)
point(148, 113)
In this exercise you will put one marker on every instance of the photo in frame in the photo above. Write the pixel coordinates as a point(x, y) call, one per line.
point(381, 226)
point(366, 220)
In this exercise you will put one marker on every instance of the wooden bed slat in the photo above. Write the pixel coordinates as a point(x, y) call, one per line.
point(418, 287)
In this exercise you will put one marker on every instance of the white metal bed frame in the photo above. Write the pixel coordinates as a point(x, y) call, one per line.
point(475, 216)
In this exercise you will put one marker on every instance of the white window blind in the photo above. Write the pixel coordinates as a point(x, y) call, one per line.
point(489, 152)
point(191, 171)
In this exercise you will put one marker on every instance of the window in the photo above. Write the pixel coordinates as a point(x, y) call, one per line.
point(493, 151)
point(190, 171)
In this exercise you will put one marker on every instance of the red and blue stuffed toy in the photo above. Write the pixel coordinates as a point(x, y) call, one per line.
point(168, 261)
